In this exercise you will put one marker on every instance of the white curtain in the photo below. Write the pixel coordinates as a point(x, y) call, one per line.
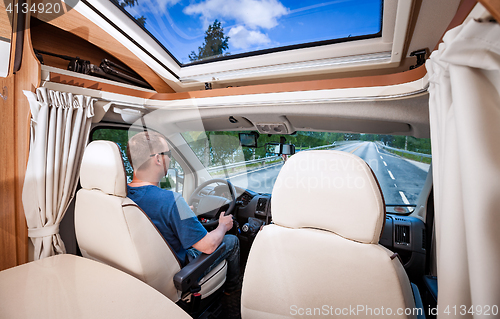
point(60, 124)
point(464, 89)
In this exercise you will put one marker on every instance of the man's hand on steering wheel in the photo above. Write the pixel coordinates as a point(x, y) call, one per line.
point(226, 221)
point(209, 206)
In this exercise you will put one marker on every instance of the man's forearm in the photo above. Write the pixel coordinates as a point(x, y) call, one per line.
point(211, 241)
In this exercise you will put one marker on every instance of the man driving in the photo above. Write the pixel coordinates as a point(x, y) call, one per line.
point(149, 155)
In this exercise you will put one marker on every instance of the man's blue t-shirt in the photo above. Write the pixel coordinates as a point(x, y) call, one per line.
point(171, 215)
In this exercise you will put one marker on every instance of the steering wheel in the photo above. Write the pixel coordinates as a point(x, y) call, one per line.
point(210, 205)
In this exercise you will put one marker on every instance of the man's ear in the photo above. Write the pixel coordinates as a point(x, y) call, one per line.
point(157, 160)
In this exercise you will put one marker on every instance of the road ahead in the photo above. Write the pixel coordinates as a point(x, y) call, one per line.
point(400, 180)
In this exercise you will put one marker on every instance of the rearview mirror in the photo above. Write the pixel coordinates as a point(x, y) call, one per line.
point(280, 149)
point(287, 149)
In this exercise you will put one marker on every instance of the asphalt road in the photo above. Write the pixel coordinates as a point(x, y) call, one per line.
point(400, 180)
point(259, 180)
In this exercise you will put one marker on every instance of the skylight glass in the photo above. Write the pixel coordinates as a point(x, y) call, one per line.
point(194, 31)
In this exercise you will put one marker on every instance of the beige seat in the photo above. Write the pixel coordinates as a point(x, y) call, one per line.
point(321, 256)
point(112, 229)
point(66, 286)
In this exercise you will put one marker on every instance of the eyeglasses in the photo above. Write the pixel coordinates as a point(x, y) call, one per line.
point(168, 153)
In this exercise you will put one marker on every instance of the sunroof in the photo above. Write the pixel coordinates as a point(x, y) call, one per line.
point(199, 31)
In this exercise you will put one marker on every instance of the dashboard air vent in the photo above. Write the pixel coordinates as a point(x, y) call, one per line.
point(402, 234)
point(261, 204)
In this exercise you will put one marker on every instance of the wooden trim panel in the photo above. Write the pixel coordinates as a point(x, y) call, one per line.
point(77, 24)
point(96, 85)
point(15, 133)
point(493, 7)
point(8, 245)
point(368, 81)
point(5, 23)
point(27, 78)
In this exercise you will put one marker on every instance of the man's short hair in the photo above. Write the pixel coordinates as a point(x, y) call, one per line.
point(140, 149)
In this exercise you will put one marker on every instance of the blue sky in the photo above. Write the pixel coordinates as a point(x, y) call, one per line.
point(256, 24)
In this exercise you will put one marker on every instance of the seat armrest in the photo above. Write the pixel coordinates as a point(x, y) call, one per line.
point(188, 276)
point(418, 301)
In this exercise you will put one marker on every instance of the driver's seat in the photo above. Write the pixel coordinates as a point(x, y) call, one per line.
point(112, 229)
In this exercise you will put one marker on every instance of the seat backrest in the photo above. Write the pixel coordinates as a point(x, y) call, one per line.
point(112, 229)
point(322, 254)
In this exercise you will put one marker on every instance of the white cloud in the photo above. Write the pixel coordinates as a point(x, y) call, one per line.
point(241, 38)
point(155, 6)
point(251, 13)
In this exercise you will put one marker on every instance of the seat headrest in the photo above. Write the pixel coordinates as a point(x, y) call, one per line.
point(102, 168)
point(329, 190)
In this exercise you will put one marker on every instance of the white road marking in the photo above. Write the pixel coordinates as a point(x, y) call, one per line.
point(392, 176)
point(376, 147)
point(385, 163)
point(381, 157)
point(398, 157)
point(395, 185)
point(405, 200)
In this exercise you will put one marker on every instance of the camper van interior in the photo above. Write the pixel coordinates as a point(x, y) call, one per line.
point(354, 143)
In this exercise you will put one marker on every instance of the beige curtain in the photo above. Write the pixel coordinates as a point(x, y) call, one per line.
point(464, 76)
point(60, 127)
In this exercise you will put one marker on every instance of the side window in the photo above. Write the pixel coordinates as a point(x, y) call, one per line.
point(120, 136)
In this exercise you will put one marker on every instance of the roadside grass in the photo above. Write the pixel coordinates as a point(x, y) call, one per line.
point(412, 156)
point(243, 168)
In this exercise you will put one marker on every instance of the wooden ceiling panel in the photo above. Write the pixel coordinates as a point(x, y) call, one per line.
point(77, 24)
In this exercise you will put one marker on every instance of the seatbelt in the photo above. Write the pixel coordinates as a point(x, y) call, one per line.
point(147, 135)
point(165, 170)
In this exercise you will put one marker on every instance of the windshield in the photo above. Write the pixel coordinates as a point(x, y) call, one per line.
point(400, 163)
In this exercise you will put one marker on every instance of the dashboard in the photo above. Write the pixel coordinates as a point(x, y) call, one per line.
point(251, 204)
point(405, 235)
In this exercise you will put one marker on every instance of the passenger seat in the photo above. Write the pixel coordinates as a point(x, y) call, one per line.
point(321, 257)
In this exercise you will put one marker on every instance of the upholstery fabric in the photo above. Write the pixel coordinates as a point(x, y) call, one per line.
point(67, 286)
point(322, 252)
point(322, 189)
point(112, 229)
point(102, 170)
point(310, 268)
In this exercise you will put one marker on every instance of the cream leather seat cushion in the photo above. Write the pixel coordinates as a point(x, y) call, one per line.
point(322, 253)
point(67, 286)
point(112, 229)
point(330, 190)
point(308, 268)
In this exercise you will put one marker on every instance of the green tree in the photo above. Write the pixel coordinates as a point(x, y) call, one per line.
point(141, 20)
point(131, 3)
point(214, 45)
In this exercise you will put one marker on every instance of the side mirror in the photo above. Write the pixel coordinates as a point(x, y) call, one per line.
point(172, 181)
point(248, 139)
